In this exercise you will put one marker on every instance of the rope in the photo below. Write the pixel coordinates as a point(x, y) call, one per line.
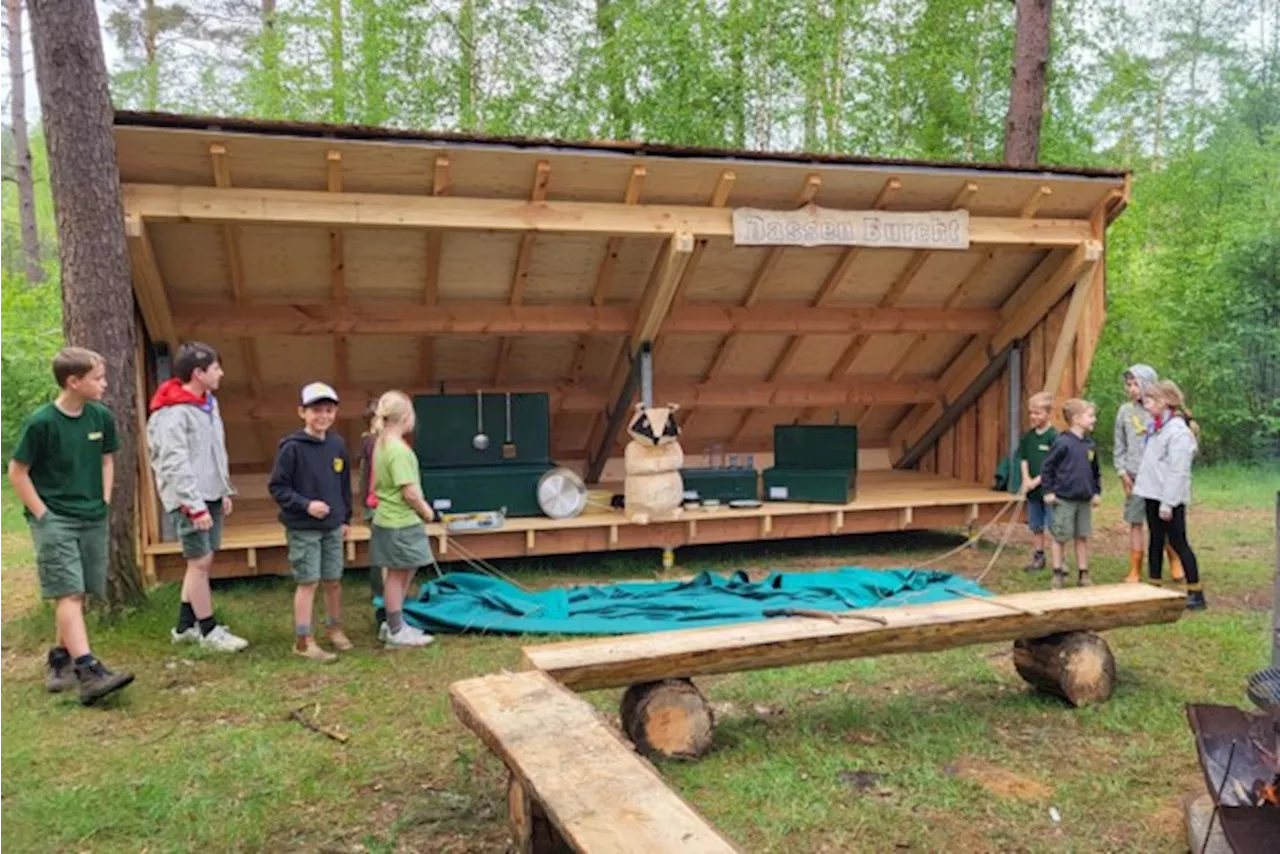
point(1016, 500)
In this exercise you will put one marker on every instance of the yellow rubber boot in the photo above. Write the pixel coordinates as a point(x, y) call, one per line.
point(1175, 565)
point(1135, 568)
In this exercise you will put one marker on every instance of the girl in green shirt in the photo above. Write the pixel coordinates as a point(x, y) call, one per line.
point(398, 542)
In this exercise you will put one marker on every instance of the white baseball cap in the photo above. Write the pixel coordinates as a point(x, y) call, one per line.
point(316, 392)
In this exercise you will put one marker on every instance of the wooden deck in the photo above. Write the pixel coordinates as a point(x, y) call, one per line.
point(253, 542)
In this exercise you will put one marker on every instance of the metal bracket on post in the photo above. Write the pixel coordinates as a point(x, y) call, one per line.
point(646, 374)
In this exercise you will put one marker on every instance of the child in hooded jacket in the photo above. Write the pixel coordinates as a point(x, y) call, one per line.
point(1164, 483)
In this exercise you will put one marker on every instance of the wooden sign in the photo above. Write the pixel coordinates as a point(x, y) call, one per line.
point(815, 226)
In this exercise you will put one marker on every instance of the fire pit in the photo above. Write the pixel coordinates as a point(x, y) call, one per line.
point(1240, 755)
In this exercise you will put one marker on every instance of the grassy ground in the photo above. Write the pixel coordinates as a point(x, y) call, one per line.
point(945, 751)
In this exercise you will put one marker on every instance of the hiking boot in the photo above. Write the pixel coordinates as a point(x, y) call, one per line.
point(408, 636)
point(1059, 579)
point(1195, 600)
point(313, 651)
point(1037, 562)
point(60, 671)
point(339, 640)
point(1082, 580)
point(96, 681)
point(190, 635)
point(221, 640)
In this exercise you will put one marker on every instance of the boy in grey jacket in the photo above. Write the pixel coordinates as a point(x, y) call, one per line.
point(188, 450)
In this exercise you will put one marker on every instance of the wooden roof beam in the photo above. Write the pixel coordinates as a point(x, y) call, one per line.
point(277, 403)
point(441, 185)
point(302, 207)
point(520, 275)
point(1034, 201)
point(148, 285)
point(484, 318)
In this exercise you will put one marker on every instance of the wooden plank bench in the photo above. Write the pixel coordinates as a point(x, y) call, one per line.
point(575, 784)
point(664, 714)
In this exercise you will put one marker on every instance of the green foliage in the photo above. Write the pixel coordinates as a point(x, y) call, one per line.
point(32, 331)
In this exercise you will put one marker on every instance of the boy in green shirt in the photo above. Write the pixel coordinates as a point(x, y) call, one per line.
point(63, 471)
point(1032, 449)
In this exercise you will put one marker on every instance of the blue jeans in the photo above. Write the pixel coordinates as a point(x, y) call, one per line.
point(1039, 515)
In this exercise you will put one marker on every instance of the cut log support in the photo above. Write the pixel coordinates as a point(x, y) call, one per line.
point(531, 831)
point(670, 719)
point(1076, 666)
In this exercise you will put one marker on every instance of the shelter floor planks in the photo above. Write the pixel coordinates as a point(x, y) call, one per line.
point(254, 543)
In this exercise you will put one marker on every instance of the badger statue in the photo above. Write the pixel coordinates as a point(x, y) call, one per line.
point(653, 490)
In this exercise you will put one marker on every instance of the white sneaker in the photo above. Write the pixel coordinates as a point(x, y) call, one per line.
point(191, 635)
point(408, 636)
point(384, 631)
point(221, 640)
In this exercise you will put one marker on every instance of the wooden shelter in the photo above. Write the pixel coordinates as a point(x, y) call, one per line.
point(380, 259)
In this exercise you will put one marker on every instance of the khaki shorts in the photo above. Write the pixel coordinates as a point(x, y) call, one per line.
point(315, 555)
point(399, 548)
point(71, 555)
point(1071, 520)
point(1135, 509)
point(197, 543)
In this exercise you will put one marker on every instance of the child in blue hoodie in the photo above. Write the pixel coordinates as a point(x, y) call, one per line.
point(311, 481)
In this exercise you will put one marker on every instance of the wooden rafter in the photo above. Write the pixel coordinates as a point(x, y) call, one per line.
point(441, 185)
point(1034, 201)
point(221, 165)
point(808, 192)
point(148, 286)
point(303, 207)
point(277, 403)
point(1035, 296)
point(520, 275)
point(604, 275)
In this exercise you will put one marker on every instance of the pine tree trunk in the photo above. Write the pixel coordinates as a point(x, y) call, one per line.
point(467, 112)
point(22, 145)
point(337, 65)
point(151, 50)
point(1026, 96)
point(97, 297)
point(270, 97)
point(615, 75)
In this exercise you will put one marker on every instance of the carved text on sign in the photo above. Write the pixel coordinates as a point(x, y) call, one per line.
point(815, 226)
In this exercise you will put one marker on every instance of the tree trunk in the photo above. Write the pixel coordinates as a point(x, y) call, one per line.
point(670, 719)
point(22, 145)
point(1026, 96)
point(97, 297)
point(615, 76)
point(337, 65)
point(467, 112)
point(1076, 666)
point(270, 97)
point(150, 48)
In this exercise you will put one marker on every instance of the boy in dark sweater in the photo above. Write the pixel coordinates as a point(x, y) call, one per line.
point(1073, 486)
point(311, 481)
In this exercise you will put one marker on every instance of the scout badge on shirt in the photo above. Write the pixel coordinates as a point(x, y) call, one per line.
point(95, 436)
point(337, 464)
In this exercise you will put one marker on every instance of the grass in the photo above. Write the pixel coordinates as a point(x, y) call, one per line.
point(942, 751)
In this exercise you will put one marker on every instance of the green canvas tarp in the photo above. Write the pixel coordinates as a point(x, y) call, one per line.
point(466, 602)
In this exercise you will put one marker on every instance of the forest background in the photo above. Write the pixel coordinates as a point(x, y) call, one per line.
point(1185, 93)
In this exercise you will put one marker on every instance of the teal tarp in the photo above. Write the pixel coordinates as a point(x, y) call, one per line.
point(466, 602)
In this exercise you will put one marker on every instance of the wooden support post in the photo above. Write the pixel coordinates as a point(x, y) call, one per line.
point(1076, 666)
point(530, 540)
point(531, 831)
point(337, 272)
point(441, 185)
point(148, 285)
point(671, 719)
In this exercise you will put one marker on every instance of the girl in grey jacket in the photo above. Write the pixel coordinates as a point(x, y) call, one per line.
point(1164, 481)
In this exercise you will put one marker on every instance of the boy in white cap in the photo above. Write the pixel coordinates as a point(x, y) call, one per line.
point(311, 481)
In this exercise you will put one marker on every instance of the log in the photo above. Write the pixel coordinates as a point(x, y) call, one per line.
point(531, 831)
point(1076, 666)
point(670, 719)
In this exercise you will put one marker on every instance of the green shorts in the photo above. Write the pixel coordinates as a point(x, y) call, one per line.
point(1135, 509)
point(315, 554)
point(1071, 519)
point(399, 548)
point(197, 543)
point(71, 555)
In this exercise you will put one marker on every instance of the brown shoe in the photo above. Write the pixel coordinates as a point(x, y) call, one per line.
point(309, 649)
point(1082, 579)
point(1059, 579)
point(338, 640)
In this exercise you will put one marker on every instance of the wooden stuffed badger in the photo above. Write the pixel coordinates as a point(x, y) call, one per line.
point(654, 489)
